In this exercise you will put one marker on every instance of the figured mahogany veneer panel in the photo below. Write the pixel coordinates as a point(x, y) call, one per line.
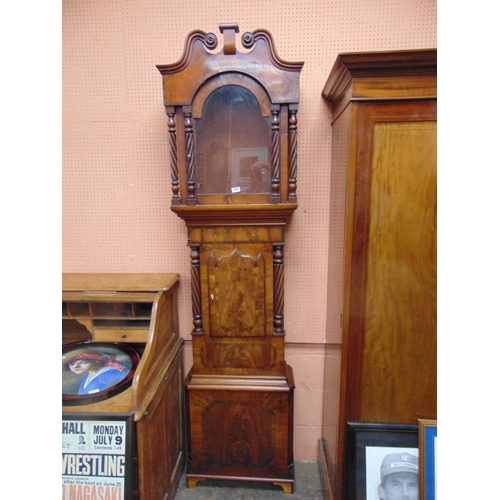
point(239, 356)
point(400, 316)
point(251, 354)
point(240, 234)
point(241, 432)
point(237, 284)
point(232, 436)
point(236, 291)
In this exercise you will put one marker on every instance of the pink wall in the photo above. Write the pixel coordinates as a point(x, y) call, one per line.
point(116, 181)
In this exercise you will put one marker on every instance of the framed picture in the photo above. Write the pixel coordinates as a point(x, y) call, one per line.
point(243, 174)
point(97, 456)
point(427, 445)
point(93, 371)
point(381, 461)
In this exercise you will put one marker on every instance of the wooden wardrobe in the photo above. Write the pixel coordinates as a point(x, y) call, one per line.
point(384, 128)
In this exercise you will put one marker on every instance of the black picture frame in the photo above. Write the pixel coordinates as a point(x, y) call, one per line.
point(88, 478)
point(118, 361)
point(366, 445)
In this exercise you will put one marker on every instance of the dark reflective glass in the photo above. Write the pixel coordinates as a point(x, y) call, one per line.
point(232, 144)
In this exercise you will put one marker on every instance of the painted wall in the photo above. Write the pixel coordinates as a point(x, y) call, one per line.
point(116, 180)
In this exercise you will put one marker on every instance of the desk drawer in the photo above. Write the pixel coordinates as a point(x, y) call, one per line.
point(121, 334)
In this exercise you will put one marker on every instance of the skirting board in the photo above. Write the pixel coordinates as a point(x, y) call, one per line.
point(327, 470)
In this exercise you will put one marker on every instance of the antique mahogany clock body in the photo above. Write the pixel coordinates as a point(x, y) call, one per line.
point(232, 123)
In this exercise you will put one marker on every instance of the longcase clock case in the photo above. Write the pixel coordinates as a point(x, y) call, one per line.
point(232, 125)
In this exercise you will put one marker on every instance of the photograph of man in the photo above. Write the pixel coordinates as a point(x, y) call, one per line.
point(399, 477)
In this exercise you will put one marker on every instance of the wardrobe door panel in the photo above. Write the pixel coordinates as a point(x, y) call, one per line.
point(397, 249)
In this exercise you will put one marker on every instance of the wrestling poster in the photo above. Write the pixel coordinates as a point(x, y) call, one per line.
point(95, 459)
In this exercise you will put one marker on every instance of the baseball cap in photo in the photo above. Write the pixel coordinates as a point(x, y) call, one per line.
point(398, 462)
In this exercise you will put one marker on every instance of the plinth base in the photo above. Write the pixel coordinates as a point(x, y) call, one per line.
point(241, 428)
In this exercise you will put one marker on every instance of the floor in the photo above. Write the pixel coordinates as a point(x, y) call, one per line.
point(308, 486)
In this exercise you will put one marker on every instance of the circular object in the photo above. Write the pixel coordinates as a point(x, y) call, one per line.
point(247, 40)
point(211, 41)
point(94, 371)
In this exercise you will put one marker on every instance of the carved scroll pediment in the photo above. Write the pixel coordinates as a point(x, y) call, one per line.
point(197, 65)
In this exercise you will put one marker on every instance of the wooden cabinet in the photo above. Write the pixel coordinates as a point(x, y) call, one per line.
point(141, 311)
point(232, 124)
point(384, 121)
